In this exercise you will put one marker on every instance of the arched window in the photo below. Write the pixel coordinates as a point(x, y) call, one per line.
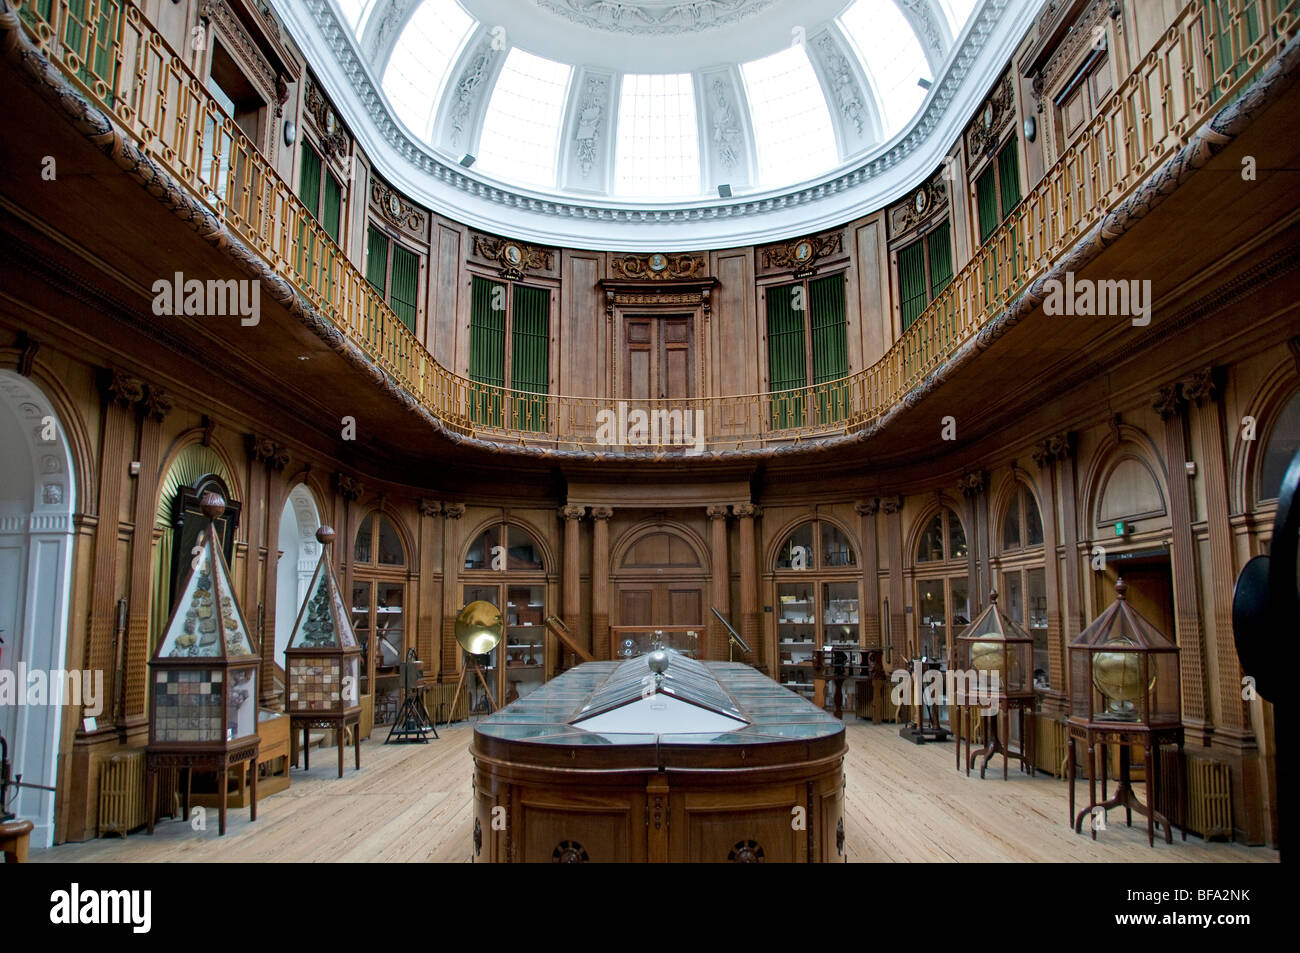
point(1283, 442)
point(506, 566)
point(817, 592)
point(942, 584)
point(1023, 576)
point(379, 609)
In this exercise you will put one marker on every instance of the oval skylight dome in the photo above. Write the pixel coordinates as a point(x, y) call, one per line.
point(655, 99)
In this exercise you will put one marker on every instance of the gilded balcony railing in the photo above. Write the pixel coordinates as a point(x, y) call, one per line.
point(1208, 54)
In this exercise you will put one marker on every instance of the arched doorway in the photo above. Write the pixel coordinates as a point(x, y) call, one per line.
point(660, 577)
point(299, 553)
point(36, 502)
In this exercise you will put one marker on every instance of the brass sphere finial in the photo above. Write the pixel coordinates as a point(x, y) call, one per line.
point(212, 504)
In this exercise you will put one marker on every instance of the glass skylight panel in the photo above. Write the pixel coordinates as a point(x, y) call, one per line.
point(792, 125)
point(418, 68)
point(958, 12)
point(892, 55)
point(658, 150)
point(522, 128)
point(352, 11)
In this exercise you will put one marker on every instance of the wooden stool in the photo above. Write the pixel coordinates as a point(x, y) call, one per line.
point(14, 836)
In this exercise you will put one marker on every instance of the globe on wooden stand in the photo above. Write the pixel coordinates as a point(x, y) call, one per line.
point(1124, 690)
point(994, 675)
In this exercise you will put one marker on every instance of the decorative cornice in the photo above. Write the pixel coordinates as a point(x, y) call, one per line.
point(402, 157)
point(653, 19)
point(658, 267)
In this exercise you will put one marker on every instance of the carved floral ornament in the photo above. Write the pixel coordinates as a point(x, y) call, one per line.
point(334, 142)
point(514, 258)
point(802, 254)
point(396, 209)
point(984, 134)
point(926, 203)
point(658, 267)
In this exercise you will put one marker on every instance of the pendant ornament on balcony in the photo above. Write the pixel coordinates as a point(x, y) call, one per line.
point(802, 254)
point(514, 258)
point(658, 267)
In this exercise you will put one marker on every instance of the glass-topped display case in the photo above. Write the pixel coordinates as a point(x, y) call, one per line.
point(322, 661)
point(204, 673)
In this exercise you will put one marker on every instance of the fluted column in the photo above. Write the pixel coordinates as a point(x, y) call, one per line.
point(451, 515)
point(571, 600)
point(600, 516)
point(1045, 455)
point(745, 514)
point(869, 610)
point(265, 499)
point(720, 593)
point(430, 560)
point(974, 490)
point(1172, 408)
point(893, 510)
point(121, 394)
point(154, 407)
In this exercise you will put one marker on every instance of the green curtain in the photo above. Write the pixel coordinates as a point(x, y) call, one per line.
point(309, 180)
point(403, 292)
point(530, 336)
point(487, 350)
point(785, 354)
point(986, 202)
point(911, 282)
point(830, 350)
point(939, 245)
point(1009, 176)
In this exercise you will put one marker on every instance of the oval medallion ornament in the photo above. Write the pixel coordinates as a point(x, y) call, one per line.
point(922, 201)
point(514, 255)
point(330, 123)
point(803, 252)
point(658, 263)
point(394, 205)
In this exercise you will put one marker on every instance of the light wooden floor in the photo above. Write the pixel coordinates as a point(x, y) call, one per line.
point(412, 803)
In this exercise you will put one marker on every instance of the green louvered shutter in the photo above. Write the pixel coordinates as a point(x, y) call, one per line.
point(332, 206)
point(986, 202)
point(785, 354)
point(530, 334)
point(1009, 176)
point(487, 350)
point(309, 194)
point(939, 245)
point(830, 347)
point(403, 291)
point(377, 259)
point(911, 282)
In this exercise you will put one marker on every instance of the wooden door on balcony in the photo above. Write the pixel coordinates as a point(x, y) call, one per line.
point(662, 603)
point(660, 357)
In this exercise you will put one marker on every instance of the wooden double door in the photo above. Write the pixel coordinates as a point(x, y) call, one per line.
point(660, 361)
point(661, 603)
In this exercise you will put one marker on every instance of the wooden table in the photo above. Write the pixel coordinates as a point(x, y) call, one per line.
point(1096, 736)
point(338, 724)
point(15, 835)
point(219, 760)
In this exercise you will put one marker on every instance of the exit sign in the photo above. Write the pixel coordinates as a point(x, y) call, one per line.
point(1121, 528)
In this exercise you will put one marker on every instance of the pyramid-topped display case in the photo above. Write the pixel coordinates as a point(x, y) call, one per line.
point(204, 677)
point(323, 660)
point(204, 674)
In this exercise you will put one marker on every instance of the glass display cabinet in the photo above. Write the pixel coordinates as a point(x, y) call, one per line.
point(796, 634)
point(1125, 690)
point(525, 648)
point(323, 662)
point(479, 700)
point(994, 680)
point(204, 677)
